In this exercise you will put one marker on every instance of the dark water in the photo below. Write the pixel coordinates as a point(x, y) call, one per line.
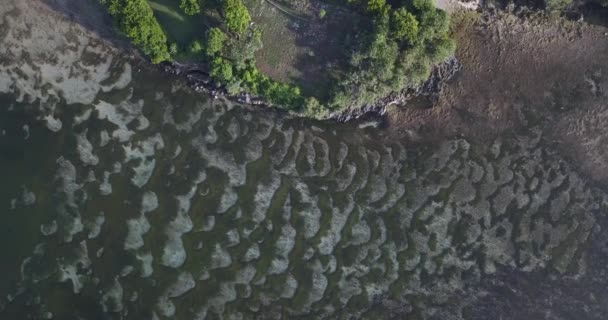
point(151, 202)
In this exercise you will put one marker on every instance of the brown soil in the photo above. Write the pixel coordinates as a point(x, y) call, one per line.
point(523, 73)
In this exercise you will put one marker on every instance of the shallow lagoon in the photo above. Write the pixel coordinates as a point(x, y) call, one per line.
point(127, 196)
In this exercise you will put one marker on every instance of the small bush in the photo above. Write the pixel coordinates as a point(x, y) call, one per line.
point(190, 7)
point(322, 13)
point(196, 47)
point(173, 49)
point(215, 41)
point(236, 15)
point(314, 109)
point(136, 19)
point(404, 25)
point(221, 70)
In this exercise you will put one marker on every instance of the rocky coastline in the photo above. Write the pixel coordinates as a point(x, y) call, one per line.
point(429, 90)
point(199, 80)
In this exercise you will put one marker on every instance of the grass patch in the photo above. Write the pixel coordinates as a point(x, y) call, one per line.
point(299, 46)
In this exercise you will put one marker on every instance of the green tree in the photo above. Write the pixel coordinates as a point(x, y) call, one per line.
point(433, 22)
point(377, 7)
point(441, 48)
point(190, 7)
point(221, 70)
point(315, 109)
point(241, 51)
point(236, 15)
point(404, 25)
point(136, 19)
point(215, 41)
point(196, 47)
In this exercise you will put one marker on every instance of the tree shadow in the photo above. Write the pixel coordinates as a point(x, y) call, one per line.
point(594, 13)
point(93, 16)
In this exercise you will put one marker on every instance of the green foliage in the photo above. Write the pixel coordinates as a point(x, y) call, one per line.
point(404, 25)
point(234, 86)
point(399, 50)
point(424, 5)
point(196, 47)
point(441, 48)
point(236, 15)
point(173, 49)
point(432, 22)
point(322, 13)
point(242, 51)
point(221, 69)
point(557, 6)
point(136, 19)
point(314, 109)
point(215, 41)
point(190, 7)
point(276, 92)
point(377, 6)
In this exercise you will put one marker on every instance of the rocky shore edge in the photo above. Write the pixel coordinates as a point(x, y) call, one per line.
point(429, 90)
point(200, 80)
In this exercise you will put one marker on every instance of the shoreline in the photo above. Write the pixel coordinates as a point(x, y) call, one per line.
point(85, 13)
point(200, 81)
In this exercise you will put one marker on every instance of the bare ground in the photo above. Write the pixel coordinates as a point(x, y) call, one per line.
point(522, 73)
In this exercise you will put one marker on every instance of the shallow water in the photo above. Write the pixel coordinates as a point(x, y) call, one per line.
point(127, 196)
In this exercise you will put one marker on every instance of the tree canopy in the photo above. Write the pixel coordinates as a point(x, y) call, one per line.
point(136, 19)
point(190, 7)
point(237, 16)
point(215, 41)
point(404, 25)
point(396, 47)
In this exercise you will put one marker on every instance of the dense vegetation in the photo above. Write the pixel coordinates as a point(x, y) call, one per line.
point(136, 19)
point(399, 50)
point(395, 49)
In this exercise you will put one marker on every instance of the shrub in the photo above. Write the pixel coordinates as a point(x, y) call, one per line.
point(377, 7)
point(234, 86)
point(404, 25)
point(322, 13)
point(136, 19)
point(398, 50)
point(173, 49)
point(190, 7)
point(215, 41)
point(314, 109)
point(236, 15)
point(196, 47)
point(221, 70)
